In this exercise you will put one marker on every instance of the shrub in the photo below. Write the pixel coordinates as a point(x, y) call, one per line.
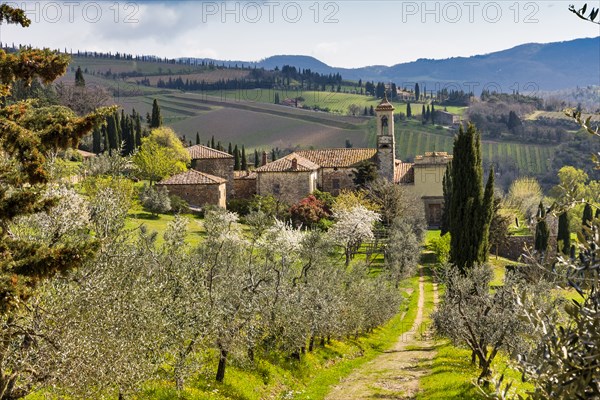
point(179, 205)
point(155, 200)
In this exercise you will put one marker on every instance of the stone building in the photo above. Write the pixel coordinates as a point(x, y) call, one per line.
point(244, 184)
point(424, 178)
point(289, 179)
point(197, 188)
point(446, 118)
point(337, 166)
point(214, 162)
point(293, 177)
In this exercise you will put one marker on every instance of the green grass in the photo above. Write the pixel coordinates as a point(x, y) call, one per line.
point(382, 339)
point(137, 218)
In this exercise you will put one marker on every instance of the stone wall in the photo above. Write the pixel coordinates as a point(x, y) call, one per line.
point(289, 187)
point(516, 245)
point(244, 188)
point(344, 177)
point(221, 167)
point(200, 195)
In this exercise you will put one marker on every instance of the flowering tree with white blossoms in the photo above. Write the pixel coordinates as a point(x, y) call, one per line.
point(351, 228)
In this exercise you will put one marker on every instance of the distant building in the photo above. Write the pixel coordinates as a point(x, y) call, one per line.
point(296, 175)
point(446, 118)
point(198, 189)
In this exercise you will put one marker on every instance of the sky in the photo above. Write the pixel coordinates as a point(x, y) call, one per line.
point(342, 33)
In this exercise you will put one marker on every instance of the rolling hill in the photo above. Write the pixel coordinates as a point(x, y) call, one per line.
point(528, 67)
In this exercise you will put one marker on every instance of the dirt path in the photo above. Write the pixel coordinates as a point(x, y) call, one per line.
point(394, 374)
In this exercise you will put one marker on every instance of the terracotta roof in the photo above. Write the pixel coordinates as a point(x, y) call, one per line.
point(338, 158)
point(385, 105)
point(404, 173)
point(285, 164)
point(198, 152)
point(244, 175)
point(192, 177)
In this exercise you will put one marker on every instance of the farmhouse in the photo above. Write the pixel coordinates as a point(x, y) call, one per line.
point(446, 118)
point(198, 189)
point(214, 162)
point(296, 175)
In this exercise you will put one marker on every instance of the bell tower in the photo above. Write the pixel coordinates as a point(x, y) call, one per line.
point(386, 146)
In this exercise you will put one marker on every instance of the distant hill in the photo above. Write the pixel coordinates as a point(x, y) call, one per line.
point(532, 66)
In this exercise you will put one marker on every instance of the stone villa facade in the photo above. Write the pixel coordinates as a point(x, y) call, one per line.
point(298, 174)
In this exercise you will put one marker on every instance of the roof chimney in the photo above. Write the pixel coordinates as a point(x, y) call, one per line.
point(264, 158)
point(294, 164)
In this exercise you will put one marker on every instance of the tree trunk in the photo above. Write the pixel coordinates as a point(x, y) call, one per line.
point(311, 343)
point(222, 364)
point(322, 343)
point(251, 353)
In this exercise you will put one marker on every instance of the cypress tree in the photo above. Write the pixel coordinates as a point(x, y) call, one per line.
point(229, 149)
point(79, 79)
point(487, 212)
point(106, 142)
point(244, 160)
point(96, 141)
point(432, 117)
point(563, 237)
point(236, 157)
point(469, 213)
point(542, 232)
point(112, 131)
point(212, 142)
point(197, 138)
point(273, 155)
point(256, 160)
point(417, 92)
point(423, 113)
point(371, 111)
point(586, 220)
point(138, 129)
point(408, 111)
point(447, 189)
point(155, 119)
point(427, 114)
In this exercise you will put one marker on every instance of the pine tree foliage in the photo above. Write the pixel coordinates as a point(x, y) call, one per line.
point(27, 135)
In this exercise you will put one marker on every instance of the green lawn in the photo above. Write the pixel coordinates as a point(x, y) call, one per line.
point(136, 219)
